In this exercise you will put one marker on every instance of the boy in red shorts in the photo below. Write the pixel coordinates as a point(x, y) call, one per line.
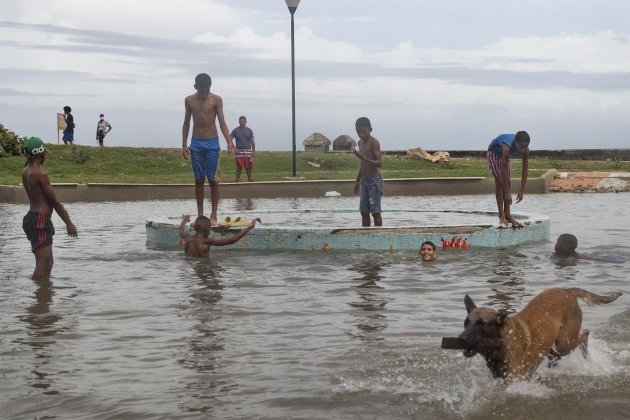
point(37, 223)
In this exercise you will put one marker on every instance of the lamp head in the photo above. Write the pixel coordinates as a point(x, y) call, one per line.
point(292, 5)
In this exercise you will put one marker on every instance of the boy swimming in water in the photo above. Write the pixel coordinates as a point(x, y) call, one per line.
point(565, 247)
point(198, 245)
point(499, 153)
point(427, 251)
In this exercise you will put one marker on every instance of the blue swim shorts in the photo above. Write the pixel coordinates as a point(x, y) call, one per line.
point(204, 154)
point(67, 137)
point(371, 192)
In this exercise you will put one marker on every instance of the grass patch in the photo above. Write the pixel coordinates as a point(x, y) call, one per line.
point(135, 165)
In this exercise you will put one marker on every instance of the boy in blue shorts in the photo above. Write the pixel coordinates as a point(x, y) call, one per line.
point(205, 108)
point(369, 180)
point(499, 152)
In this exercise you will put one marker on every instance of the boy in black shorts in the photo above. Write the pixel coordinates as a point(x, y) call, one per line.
point(37, 223)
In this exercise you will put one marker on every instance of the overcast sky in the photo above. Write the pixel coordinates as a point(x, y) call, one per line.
point(442, 75)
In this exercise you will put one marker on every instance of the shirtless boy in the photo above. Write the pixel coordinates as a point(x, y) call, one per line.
point(205, 108)
point(499, 152)
point(37, 223)
point(198, 245)
point(369, 180)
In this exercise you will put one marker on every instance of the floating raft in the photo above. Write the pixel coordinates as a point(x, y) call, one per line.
point(163, 233)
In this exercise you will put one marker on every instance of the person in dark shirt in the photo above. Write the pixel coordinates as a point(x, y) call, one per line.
point(68, 132)
point(245, 151)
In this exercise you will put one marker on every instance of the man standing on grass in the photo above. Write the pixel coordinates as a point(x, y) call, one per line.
point(245, 149)
point(205, 108)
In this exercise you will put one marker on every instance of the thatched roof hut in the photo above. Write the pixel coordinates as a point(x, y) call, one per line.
point(316, 142)
point(344, 142)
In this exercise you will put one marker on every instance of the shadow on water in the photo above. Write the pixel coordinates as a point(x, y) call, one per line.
point(372, 319)
point(205, 344)
point(42, 328)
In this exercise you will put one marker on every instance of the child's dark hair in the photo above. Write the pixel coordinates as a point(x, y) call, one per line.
point(522, 137)
point(203, 80)
point(570, 240)
point(67, 108)
point(428, 243)
point(202, 223)
point(363, 122)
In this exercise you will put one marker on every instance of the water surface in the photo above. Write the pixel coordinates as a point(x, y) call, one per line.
point(123, 331)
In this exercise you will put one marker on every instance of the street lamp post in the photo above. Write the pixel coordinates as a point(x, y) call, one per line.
point(292, 5)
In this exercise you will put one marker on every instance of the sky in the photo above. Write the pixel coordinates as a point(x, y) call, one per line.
point(436, 74)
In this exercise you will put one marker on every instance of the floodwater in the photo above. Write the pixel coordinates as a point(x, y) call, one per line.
point(126, 332)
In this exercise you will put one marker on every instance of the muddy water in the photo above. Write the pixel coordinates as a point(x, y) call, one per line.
point(126, 332)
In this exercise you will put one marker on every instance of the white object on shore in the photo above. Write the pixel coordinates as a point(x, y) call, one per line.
point(563, 175)
point(332, 194)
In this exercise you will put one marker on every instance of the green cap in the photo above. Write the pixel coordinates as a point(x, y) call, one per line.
point(34, 146)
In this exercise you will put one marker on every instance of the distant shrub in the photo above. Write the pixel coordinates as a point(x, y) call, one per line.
point(10, 143)
point(80, 155)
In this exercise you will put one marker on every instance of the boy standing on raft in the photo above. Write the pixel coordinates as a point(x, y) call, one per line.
point(499, 152)
point(37, 223)
point(204, 108)
point(369, 180)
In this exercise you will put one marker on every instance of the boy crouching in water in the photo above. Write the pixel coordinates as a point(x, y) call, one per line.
point(37, 223)
point(198, 245)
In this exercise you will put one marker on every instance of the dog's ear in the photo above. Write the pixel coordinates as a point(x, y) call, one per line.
point(470, 305)
point(501, 315)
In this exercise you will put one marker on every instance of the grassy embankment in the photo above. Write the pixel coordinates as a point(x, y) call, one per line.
point(85, 164)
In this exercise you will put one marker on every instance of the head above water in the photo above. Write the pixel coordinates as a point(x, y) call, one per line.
point(566, 244)
point(202, 225)
point(427, 251)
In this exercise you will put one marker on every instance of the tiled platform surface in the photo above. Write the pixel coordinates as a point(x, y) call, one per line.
point(162, 233)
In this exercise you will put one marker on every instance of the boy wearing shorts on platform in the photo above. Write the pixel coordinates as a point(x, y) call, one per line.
point(369, 180)
point(37, 223)
point(499, 153)
point(205, 108)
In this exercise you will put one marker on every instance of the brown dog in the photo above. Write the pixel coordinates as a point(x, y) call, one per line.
point(548, 327)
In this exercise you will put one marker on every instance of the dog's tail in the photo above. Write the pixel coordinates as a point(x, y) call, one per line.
point(592, 299)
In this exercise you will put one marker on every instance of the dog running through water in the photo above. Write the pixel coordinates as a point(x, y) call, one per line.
point(548, 327)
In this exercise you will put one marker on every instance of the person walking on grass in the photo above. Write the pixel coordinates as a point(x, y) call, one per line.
point(37, 223)
point(102, 128)
point(205, 109)
point(499, 153)
point(245, 149)
point(68, 132)
point(369, 180)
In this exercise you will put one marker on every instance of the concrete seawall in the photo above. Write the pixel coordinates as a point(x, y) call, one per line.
point(68, 193)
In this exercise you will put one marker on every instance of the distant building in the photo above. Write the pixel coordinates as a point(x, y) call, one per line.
point(316, 142)
point(344, 142)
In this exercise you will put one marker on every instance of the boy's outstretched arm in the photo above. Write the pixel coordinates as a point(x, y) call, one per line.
point(182, 226)
point(50, 195)
point(235, 238)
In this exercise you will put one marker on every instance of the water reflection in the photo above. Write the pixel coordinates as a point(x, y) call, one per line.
point(244, 204)
point(371, 304)
point(508, 284)
point(42, 326)
point(205, 343)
